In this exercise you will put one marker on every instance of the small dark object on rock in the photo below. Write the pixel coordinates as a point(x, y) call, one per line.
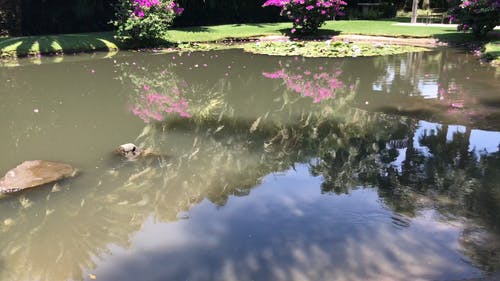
point(132, 152)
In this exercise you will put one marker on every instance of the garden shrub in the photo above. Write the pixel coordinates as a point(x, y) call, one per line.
point(308, 15)
point(145, 21)
point(481, 16)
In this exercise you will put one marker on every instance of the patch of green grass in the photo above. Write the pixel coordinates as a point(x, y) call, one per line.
point(53, 44)
point(386, 28)
point(223, 32)
point(492, 52)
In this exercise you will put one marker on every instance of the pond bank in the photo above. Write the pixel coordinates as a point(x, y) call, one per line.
point(383, 32)
point(406, 41)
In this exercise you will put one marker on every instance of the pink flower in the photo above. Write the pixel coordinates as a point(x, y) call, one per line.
point(184, 114)
point(274, 75)
point(276, 3)
point(176, 8)
point(138, 12)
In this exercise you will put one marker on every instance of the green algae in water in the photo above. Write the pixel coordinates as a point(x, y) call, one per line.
point(328, 49)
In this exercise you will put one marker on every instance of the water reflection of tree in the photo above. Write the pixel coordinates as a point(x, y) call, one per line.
point(224, 150)
point(432, 85)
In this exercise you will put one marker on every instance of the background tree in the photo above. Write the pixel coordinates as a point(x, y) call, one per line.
point(414, 9)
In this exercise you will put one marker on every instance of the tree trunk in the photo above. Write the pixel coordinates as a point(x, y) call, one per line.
point(414, 9)
point(425, 4)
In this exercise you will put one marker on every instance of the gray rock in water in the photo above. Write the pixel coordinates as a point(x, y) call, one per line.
point(34, 173)
point(132, 152)
point(129, 151)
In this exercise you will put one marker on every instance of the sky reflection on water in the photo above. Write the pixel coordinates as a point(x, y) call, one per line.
point(294, 232)
point(272, 168)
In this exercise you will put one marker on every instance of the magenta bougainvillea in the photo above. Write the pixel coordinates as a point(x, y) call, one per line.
point(480, 16)
point(308, 15)
point(145, 20)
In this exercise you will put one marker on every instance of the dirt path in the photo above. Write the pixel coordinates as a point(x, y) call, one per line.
point(419, 42)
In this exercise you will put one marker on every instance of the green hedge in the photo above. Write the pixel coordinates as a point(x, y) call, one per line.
point(62, 16)
point(210, 12)
point(9, 17)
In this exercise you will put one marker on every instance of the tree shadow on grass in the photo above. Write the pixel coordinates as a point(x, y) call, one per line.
point(467, 39)
point(67, 43)
point(321, 34)
point(194, 29)
point(261, 25)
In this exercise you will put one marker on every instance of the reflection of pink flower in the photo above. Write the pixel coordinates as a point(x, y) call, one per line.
point(274, 75)
point(155, 106)
point(277, 3)
point(453, 96)
point(318, 86)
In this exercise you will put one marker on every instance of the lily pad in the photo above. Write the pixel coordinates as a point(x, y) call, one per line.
point(329, 48)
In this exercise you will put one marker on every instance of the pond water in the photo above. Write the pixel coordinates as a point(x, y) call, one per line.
point(270, 168)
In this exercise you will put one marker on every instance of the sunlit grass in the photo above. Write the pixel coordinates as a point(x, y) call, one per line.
point(50, 44)
point(386, 28)
point(492, 52)
point(220, 32)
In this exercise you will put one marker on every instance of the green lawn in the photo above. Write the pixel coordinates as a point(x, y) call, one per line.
point(492, 52)
point(220, 32)
point(69, 43)
point(64, 43)
point(388, 28)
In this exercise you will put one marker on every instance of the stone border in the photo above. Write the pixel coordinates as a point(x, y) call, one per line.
point(409, 41)
point(418, 42)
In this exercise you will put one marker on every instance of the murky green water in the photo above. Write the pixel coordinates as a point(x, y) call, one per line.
point(272, 168)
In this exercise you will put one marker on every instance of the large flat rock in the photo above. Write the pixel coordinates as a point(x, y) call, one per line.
point(34, 173)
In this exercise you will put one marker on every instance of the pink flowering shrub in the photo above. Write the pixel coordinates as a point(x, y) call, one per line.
point(481, 16)
point(144, 20)
point(308, 15)
point(318, 84)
